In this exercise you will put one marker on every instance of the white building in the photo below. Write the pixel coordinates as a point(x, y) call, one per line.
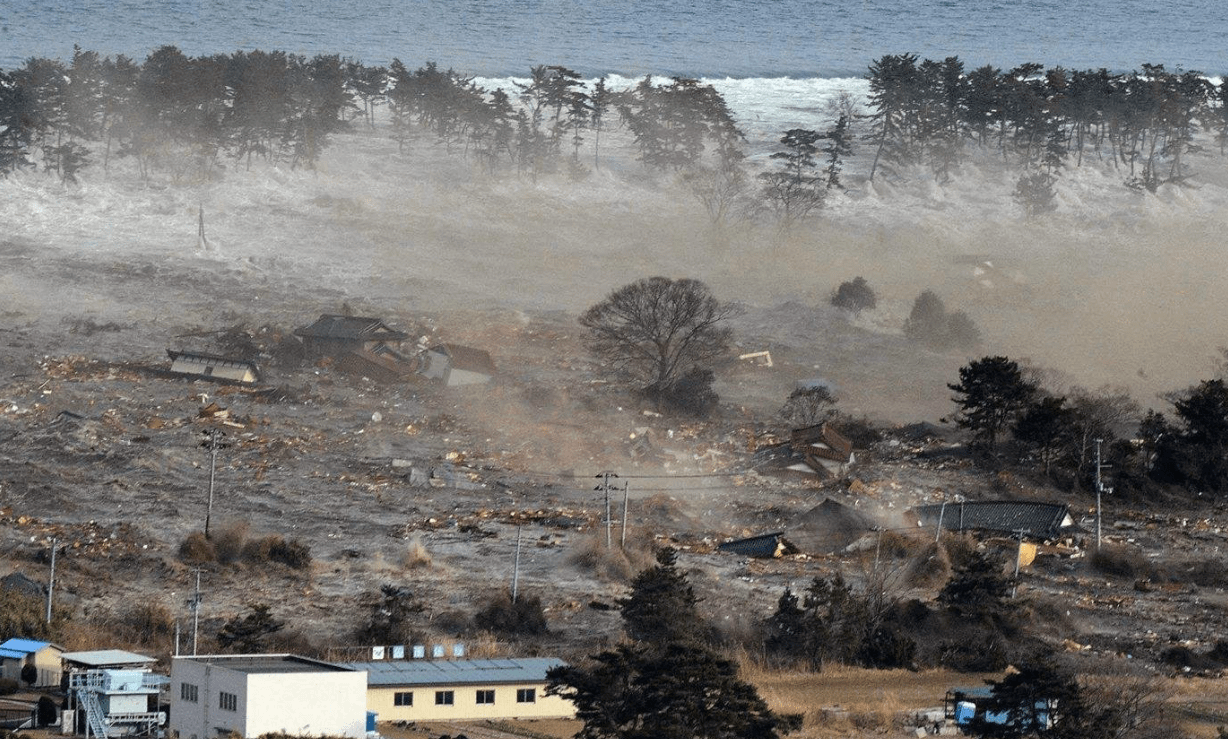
point(254, 694)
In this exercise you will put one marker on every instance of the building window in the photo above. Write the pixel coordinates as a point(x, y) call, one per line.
point(526, 695)
point(486, 697)
point(227, 701)
point(189, 692)
point(444, 697)
point(403, 699)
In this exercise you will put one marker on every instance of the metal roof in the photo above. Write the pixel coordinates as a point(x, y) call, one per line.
point(107, 658)
point(409, 673)
point(18, 647)
point(467, 358)
point(255, 664)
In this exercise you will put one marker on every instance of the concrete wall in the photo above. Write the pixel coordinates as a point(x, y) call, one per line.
point(329, 703)
point(204, 718)
point(298, 703)
point(465, 706)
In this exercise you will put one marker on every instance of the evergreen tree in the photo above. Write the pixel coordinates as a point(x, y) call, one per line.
point(246, 634)
point(669, 691)
point(1046, 425)
point(1202, 447)
point(992, 393)
point(1037, 700)
point(893, 89)
point(794, 190)
point(662, 606)
point(977, 587)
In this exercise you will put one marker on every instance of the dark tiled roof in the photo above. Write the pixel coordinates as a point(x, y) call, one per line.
point(350, 328)
point(1037, 520)
point(216, 359)
point(765, 545)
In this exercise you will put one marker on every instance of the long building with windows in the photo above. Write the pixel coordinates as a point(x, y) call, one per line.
point(255, 694)
point(461, 690)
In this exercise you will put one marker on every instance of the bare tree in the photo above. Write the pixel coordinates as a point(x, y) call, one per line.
point(656, 329)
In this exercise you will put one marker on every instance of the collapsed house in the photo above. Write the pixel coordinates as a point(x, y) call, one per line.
point(333, 336)
point(457, 365)
point(1030, 520)
point(764, 546)
point(829, 527)
point(213, 367)
point(813, 452)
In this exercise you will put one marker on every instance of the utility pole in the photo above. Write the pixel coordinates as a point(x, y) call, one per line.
point(51, 579)
point(213, 443)
point(1018, 556)
point(938, 528)
point(516, 568)
point(604, 487)
point(194, 604)
point(623, 543)
point(1099, 490)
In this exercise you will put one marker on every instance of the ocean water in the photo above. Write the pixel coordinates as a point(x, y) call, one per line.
point(698, 38)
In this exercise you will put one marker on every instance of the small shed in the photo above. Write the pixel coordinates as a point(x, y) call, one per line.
point(458, 365)
point(333, 335)
point(764, 546)
point(213, 367)
point(16, 653)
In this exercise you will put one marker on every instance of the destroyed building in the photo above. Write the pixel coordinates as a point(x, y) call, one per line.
point(334, 335)
point(458, 365)
point(813, 452)
point(213, 367)
point(1044, 521)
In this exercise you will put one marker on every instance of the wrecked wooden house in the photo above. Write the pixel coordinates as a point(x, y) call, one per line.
point(213, 367)
point(765, 546)
point(334, 335)
point(812, 452)
point(829, 527)
point(457, 365)
point(1042, 521)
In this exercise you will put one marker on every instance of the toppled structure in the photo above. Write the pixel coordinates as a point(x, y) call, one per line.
point(457, 365)
point(213, 367)
point(1045, 521)
point(812, 452)
point(765, 546)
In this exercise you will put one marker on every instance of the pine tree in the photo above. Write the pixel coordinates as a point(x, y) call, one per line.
point(662, 606)
point(669, 691)
point(992, 393)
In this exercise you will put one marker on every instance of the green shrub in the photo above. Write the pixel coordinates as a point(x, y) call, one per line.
point(524, 616)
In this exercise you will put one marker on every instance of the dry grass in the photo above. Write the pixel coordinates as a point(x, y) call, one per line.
point(416, 557)
point(612, 564)
point(847, 701)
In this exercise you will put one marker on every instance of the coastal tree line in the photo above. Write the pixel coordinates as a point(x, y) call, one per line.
point(187, 117)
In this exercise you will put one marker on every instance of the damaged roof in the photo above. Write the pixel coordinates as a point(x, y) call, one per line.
point(467, 358)
point(350, 328)
point(763, 546)
point(1036, 520)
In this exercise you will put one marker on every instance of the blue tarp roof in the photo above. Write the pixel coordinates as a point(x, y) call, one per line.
point(456, 672)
